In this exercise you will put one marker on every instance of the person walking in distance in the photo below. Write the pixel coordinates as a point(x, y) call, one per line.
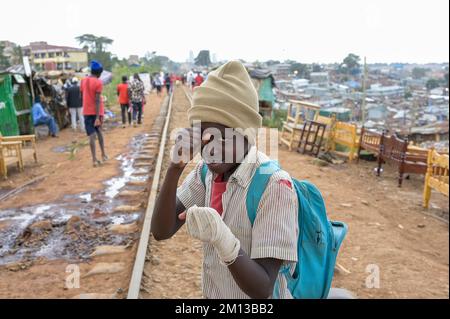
point(73, 98)
point(137, 96)
point(124, 100)
point(167, 82)
point(94, 110)
point(198, 80)
point(158, 84)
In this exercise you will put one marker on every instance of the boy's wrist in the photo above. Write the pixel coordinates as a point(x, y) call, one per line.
point(175, 168)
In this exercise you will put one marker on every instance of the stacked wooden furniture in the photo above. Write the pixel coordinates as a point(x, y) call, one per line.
point(344, 134)
point(392, 149)
point(436, 177)
point(311, 138)
point(369, 141)
point(298, 113)
point(395, 150)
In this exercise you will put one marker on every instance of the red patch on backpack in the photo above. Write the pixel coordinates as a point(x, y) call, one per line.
point(285, 182)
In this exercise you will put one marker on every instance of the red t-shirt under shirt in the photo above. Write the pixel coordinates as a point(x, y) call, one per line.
point(218, 188)
point(198, 80)
point(89, 87)
point(122, 89)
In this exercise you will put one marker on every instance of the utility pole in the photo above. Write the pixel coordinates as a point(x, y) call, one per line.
point(363, 105)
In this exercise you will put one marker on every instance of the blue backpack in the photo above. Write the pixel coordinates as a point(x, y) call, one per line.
point(319, 238)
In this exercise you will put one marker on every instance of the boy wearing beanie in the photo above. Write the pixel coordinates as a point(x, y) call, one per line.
point(240, 260)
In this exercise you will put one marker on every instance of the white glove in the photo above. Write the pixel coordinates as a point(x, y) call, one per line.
point(205, 224)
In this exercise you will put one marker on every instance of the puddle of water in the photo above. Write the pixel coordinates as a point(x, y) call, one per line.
point(94, 210)
point(60, 149)
point(86, 197)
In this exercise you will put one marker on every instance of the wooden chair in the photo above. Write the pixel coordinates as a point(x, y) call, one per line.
point(311, 138)
point(10, 153)
point(369, 141)
point(436, 177)
point(297, 114)
point(344, 134)
point(29, 148)
point(395, 150)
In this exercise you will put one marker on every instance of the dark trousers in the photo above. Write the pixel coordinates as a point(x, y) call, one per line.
point(50, 122)
point(124, 108)
point(137, 112)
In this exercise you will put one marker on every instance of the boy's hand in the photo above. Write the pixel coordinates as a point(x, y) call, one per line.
point(187, 145)
point(205, 224)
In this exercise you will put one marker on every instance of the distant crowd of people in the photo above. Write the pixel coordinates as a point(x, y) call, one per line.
point(86, 104)
point(194, 79)
point(84, 101)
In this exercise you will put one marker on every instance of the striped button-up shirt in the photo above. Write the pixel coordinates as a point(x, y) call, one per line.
point(273, 235)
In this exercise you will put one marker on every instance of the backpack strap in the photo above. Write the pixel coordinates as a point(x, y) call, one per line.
point(258, 186)
point(203, 173)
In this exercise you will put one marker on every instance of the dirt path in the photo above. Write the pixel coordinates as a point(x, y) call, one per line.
point(68, 176)
point(174, 268)
point(387, 233)
point(43, 278)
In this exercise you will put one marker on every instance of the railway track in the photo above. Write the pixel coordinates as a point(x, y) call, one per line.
point(138, 267)
point(143, 255)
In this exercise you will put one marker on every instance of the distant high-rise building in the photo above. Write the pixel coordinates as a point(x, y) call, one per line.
point(214, 58)
point(191, 57)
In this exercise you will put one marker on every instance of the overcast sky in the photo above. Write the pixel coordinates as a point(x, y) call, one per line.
point(303, 30)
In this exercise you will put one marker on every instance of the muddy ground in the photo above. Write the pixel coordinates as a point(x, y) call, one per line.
point(72, 209)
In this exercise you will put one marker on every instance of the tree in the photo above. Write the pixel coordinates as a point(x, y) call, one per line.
point(316, 68)
point(4, 61)
point(418, 73)
point(94, 43)
point(97, 48)
point(17, 55)
point(203, 58)
point(432, 84)
point(350, 64)
point(352, 61)
point(302, 70)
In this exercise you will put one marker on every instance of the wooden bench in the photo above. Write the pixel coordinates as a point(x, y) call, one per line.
point(436, 177)
point(10, 153)
point(395, 150)
point(344, 134)
point(29, 149)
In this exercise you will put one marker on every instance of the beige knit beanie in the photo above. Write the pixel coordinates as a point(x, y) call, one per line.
point(228, 97)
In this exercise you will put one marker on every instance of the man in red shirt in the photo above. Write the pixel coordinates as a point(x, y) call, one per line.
point(93, 109)
point(123, 92)
point(198, 80)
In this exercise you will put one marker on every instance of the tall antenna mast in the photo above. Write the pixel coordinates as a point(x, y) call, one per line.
point(363, 105)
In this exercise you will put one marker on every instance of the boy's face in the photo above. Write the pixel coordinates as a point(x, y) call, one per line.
point(222, 148)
